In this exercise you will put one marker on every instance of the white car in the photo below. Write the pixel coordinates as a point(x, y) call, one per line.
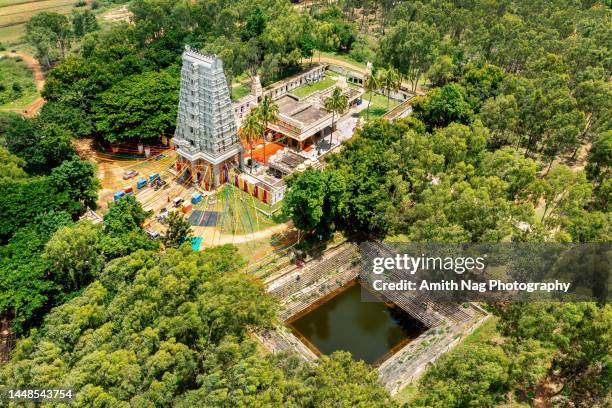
point(130, 174)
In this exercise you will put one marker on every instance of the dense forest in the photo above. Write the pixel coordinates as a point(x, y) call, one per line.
point(512, 141)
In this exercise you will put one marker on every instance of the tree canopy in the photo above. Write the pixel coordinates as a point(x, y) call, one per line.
point(171, 329)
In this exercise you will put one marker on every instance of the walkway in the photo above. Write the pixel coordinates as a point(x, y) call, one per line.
point(211, 237)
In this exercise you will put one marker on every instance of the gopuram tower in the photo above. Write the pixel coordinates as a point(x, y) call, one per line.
point(205, 138)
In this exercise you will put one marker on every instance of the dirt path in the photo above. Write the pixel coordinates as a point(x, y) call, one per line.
point(210, 235)
point(266, 233)
point(39, 80)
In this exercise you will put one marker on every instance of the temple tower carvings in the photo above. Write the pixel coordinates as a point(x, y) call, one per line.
point(206, 136)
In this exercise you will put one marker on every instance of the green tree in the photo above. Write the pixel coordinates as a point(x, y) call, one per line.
point(179, 230)
point(599, 166)
point(160, 332)
point(339, 381)
point(443, 106)
point(579, 332)
point(74, 255)
point(500, 115)
point(141, 107)
point(512, 167)
point(23, 200)
point(441, 71)
point(371, 85)
point(336, 103)
point(46, 30)
point(122, 229)
point(316, 201)
point(25, 287)
point(461, 143)
point(266, 112)
point(70, 118)
point(561, 190)
point(473, 376)
point(250, 131)
point(11, 166)
point(83, 22)
point(390, 80)
point(77, 178)
point(42, 146)
point(124, 215)
point(409, 47)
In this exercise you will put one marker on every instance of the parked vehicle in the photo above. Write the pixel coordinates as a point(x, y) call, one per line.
point(141, 183)
point(130, 174)
point(163, 214)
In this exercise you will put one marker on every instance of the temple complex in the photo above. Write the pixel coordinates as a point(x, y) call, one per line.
point(206, 140)
point(206, 135)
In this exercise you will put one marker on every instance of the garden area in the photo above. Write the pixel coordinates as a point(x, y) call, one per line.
point(308, 89)
point(379, 105)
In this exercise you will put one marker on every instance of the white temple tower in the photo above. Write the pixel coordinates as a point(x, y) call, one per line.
point(205, 136)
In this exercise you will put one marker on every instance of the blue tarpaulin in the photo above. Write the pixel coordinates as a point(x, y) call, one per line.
point(195, 243)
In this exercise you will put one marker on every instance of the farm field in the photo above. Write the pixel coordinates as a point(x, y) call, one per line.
point(15, 13)
point(11, 35)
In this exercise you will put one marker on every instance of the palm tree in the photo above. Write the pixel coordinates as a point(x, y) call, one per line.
point(371, 84)
point(336, 103)
point(250, 131)
point(391, 80)
point(266, 112)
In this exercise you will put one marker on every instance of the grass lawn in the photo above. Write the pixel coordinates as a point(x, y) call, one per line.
point(379, 105)
point(17, 88)
point(307, 89)
point(240, 91)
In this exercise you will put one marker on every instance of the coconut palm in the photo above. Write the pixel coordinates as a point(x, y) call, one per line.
point(391, 80)
point(371, 84)
point(266, 112)
point(249, 132)
point(336, 103)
